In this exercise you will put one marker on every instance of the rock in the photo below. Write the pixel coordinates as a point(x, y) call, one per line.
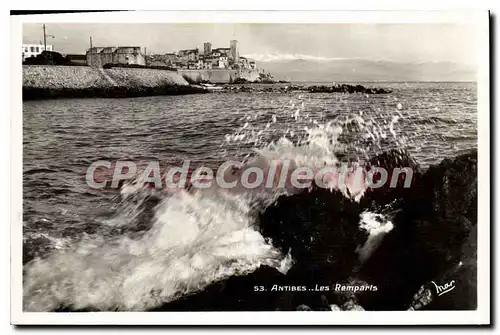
point(240, 81)
point(402, 174)
point(237, 293)
point(435, 220)
point(304, 308)
point(318, 226)
point(352, 306)
point(422, 298)
point(345, 88)
point(464, 277)
point(335, 307)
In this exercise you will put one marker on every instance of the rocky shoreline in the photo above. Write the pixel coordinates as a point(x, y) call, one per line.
point(51, 82)
point(336, 88)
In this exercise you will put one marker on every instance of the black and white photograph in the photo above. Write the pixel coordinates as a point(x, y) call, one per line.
point(172, 164)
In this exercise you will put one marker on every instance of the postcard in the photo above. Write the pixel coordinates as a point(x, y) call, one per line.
point(233, 168)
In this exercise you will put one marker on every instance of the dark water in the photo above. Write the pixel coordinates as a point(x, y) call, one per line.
point(63, 137)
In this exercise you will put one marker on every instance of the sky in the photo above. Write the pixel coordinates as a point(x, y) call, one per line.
point(429, 42)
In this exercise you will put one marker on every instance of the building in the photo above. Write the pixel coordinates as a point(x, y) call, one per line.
point(33, 50)
point(213, 61)
point(188, 55)
point(170, 58)
point(167, 59)
point(207, 64)
point(234, 55)
point(99, 56)
point(223, 62)
point(220, 52)
point(244, 63)
point(199, 64)
point(217, 58)
point(207, 48)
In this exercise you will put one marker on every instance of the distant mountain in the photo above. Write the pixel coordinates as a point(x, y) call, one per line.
point(356, 70)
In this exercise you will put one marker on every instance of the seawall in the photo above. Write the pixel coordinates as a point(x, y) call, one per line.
point(219, 76)
point(46, 82)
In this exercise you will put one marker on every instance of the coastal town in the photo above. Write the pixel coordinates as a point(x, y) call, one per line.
point(130, 71)
point(217, 58)
point(227, 58)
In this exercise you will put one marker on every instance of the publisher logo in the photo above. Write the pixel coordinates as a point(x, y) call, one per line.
point(442, 289)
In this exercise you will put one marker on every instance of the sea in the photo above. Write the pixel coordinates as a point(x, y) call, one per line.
point(95, 250)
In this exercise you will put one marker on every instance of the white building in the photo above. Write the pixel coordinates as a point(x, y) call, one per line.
point(223, 62)
point(34, 50)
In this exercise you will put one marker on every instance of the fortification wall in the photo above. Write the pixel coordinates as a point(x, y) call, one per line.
point(218, 76)
point(46, 81)
point(80, 77)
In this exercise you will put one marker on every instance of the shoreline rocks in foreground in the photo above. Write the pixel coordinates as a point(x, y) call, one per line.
point(434, 239)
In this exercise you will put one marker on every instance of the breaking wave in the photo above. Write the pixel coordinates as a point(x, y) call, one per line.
point(195, 240)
